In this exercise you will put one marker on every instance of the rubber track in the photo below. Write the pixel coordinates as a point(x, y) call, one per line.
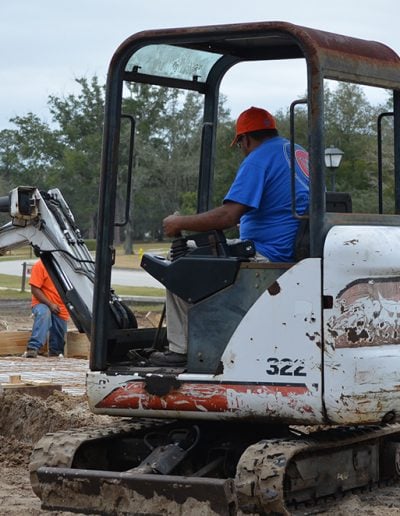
point(260, 478)
point(58, 449)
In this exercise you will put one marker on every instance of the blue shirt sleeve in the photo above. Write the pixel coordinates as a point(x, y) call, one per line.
point(248, 186)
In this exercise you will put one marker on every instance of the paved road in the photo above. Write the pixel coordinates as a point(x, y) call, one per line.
point(128, 277)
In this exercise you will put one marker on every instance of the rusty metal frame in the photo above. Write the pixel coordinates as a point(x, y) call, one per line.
point(328, 56)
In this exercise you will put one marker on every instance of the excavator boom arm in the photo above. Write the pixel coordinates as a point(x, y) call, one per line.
point(45, 221)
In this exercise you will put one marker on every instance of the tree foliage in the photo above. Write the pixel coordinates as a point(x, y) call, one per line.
point(167, 138)
point(80, 125)
point(351, 125)
point(66, 152)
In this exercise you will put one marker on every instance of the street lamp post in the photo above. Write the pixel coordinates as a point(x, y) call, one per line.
point(333, 157)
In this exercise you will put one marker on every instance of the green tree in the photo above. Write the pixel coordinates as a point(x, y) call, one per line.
point(300, 124)
point(166, 153)
point(64, 154)
point(29, 154)
point(8, 158)
point(80, 125)
point(350, 122)
point(388, 155)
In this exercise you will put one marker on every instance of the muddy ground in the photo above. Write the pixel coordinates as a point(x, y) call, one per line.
point(24, 419)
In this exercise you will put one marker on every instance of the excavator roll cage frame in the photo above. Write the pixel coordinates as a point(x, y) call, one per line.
point(196, 59)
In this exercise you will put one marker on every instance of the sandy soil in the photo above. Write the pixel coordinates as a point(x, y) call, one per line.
point(24, 419)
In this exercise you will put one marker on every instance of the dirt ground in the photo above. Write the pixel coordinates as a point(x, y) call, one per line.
point(24, 419)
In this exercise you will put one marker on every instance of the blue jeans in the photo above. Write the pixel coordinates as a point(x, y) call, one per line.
point(45, 323)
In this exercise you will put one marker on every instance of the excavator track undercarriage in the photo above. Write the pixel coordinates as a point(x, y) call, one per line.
point(150, 467)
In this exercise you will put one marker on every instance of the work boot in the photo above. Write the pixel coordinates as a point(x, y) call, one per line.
point(168, 359)
point(30, 353)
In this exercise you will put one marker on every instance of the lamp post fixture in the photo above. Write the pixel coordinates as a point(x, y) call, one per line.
point(333, 157)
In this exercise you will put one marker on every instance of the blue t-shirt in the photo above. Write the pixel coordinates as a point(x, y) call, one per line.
point(263, 183)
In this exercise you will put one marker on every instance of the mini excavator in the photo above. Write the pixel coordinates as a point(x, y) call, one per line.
point(274, 348)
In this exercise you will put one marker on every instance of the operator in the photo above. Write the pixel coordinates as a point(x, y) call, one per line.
point(259, 199)
point(49, 313)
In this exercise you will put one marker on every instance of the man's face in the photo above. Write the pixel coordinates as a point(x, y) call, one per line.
point(243, 143)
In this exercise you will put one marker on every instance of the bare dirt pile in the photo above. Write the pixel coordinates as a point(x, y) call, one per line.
point(24, 420)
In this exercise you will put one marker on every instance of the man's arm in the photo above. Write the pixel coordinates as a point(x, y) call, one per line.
point(223, 217)
point(41, 297)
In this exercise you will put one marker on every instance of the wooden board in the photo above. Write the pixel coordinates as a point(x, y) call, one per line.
point(14, 343)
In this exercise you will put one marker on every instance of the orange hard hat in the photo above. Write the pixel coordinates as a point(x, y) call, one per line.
point(253, 119)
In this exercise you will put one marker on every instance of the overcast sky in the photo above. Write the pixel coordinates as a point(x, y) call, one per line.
point(45, 44)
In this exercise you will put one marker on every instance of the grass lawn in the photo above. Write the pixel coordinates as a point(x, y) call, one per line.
point(122, 260)
point(132, 261)
point(11, 289)
point(11, 285)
